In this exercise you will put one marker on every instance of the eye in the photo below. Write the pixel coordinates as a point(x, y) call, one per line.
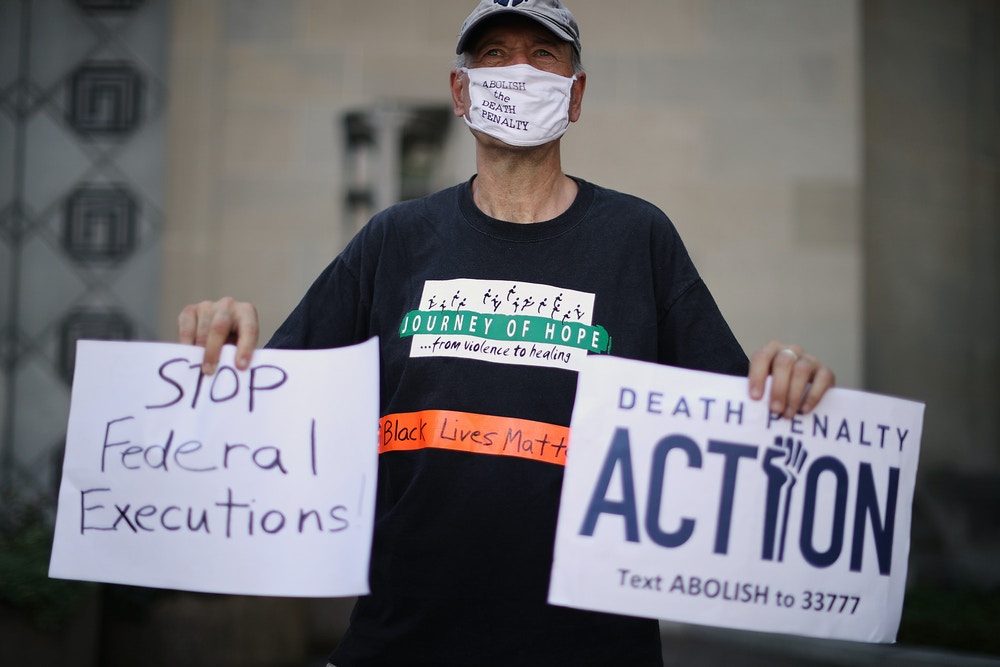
point(490, 55)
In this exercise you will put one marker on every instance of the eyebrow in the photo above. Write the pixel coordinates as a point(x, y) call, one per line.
point(496, 37)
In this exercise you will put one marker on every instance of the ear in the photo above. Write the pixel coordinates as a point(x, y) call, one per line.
point(576, 97)
point(458, 95)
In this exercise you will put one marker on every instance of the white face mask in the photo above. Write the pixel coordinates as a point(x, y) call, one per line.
point(518, 104)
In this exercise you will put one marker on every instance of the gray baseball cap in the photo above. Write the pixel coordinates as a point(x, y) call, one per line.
point(550, 13)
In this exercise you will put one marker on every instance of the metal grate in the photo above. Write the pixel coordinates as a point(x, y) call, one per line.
point(108, 5)
point(100, 224)
point(105, 98)
point(89, 324)
point(81, 131)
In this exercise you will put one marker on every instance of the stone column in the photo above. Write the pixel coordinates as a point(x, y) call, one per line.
point(932, 295)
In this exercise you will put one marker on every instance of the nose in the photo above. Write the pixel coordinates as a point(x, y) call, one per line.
point(519, 57)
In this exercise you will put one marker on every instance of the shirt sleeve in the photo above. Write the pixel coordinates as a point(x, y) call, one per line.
point(332, 313)
point(692, 330)
point(694, 334)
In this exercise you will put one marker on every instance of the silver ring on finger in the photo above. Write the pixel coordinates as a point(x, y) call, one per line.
point(791, 352)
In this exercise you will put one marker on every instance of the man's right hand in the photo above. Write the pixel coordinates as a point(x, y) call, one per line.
point(213, 324)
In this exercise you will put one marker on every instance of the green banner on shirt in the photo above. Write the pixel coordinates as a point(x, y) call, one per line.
point(494, 326)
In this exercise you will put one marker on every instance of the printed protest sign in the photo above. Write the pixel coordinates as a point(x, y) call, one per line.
point(685, 500)
point(258, 482)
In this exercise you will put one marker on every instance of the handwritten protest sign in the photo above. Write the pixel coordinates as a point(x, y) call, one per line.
point(257, 482)
point(684, 500)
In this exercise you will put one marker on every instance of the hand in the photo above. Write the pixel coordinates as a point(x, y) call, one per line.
point(213, 324)
point(798, 380)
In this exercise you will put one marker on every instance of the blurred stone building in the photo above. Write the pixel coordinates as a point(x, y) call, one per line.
point(831, 164)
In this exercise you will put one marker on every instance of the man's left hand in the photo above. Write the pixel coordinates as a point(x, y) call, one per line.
point(798, 380)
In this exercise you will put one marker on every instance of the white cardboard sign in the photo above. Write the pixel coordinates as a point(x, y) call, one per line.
point(685, 500)
point(257, 482)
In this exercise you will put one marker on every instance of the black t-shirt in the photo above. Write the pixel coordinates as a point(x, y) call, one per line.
point(482, 324)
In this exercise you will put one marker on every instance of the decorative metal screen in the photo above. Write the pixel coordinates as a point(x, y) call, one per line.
point(100, 224)
point(88, 324)
point(105, 98)
point(108, 5)
point(81, 144)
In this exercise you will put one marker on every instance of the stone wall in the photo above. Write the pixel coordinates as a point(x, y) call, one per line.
point(932, 245)
point(740, 120)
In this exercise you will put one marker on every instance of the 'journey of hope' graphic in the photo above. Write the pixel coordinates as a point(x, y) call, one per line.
point(505, 322)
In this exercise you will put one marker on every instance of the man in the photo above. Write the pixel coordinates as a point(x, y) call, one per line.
point(466, 512)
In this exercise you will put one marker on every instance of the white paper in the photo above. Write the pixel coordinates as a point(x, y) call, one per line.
point(256, 482)
point(723, 550)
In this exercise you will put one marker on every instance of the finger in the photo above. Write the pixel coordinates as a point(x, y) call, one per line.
point(823, 379)
point(187, 324)
point(802, 373)
point(247, 333)
point(760, 368)
point(219, 330)
point(782, 367)
point(205, 311)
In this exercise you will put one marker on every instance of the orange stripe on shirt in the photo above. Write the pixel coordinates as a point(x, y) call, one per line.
point(475, 433)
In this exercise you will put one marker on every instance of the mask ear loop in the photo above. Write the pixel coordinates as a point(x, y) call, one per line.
point(464, 72)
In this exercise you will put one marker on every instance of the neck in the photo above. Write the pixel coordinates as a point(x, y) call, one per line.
point(521, 185)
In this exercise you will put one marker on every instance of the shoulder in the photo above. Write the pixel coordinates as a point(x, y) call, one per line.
point(411, 212)
point(402, 224)
point(624, 198)
point(625, 207)
point(627, 214)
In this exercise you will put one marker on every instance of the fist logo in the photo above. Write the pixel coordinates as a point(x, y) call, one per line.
point(782, 464)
